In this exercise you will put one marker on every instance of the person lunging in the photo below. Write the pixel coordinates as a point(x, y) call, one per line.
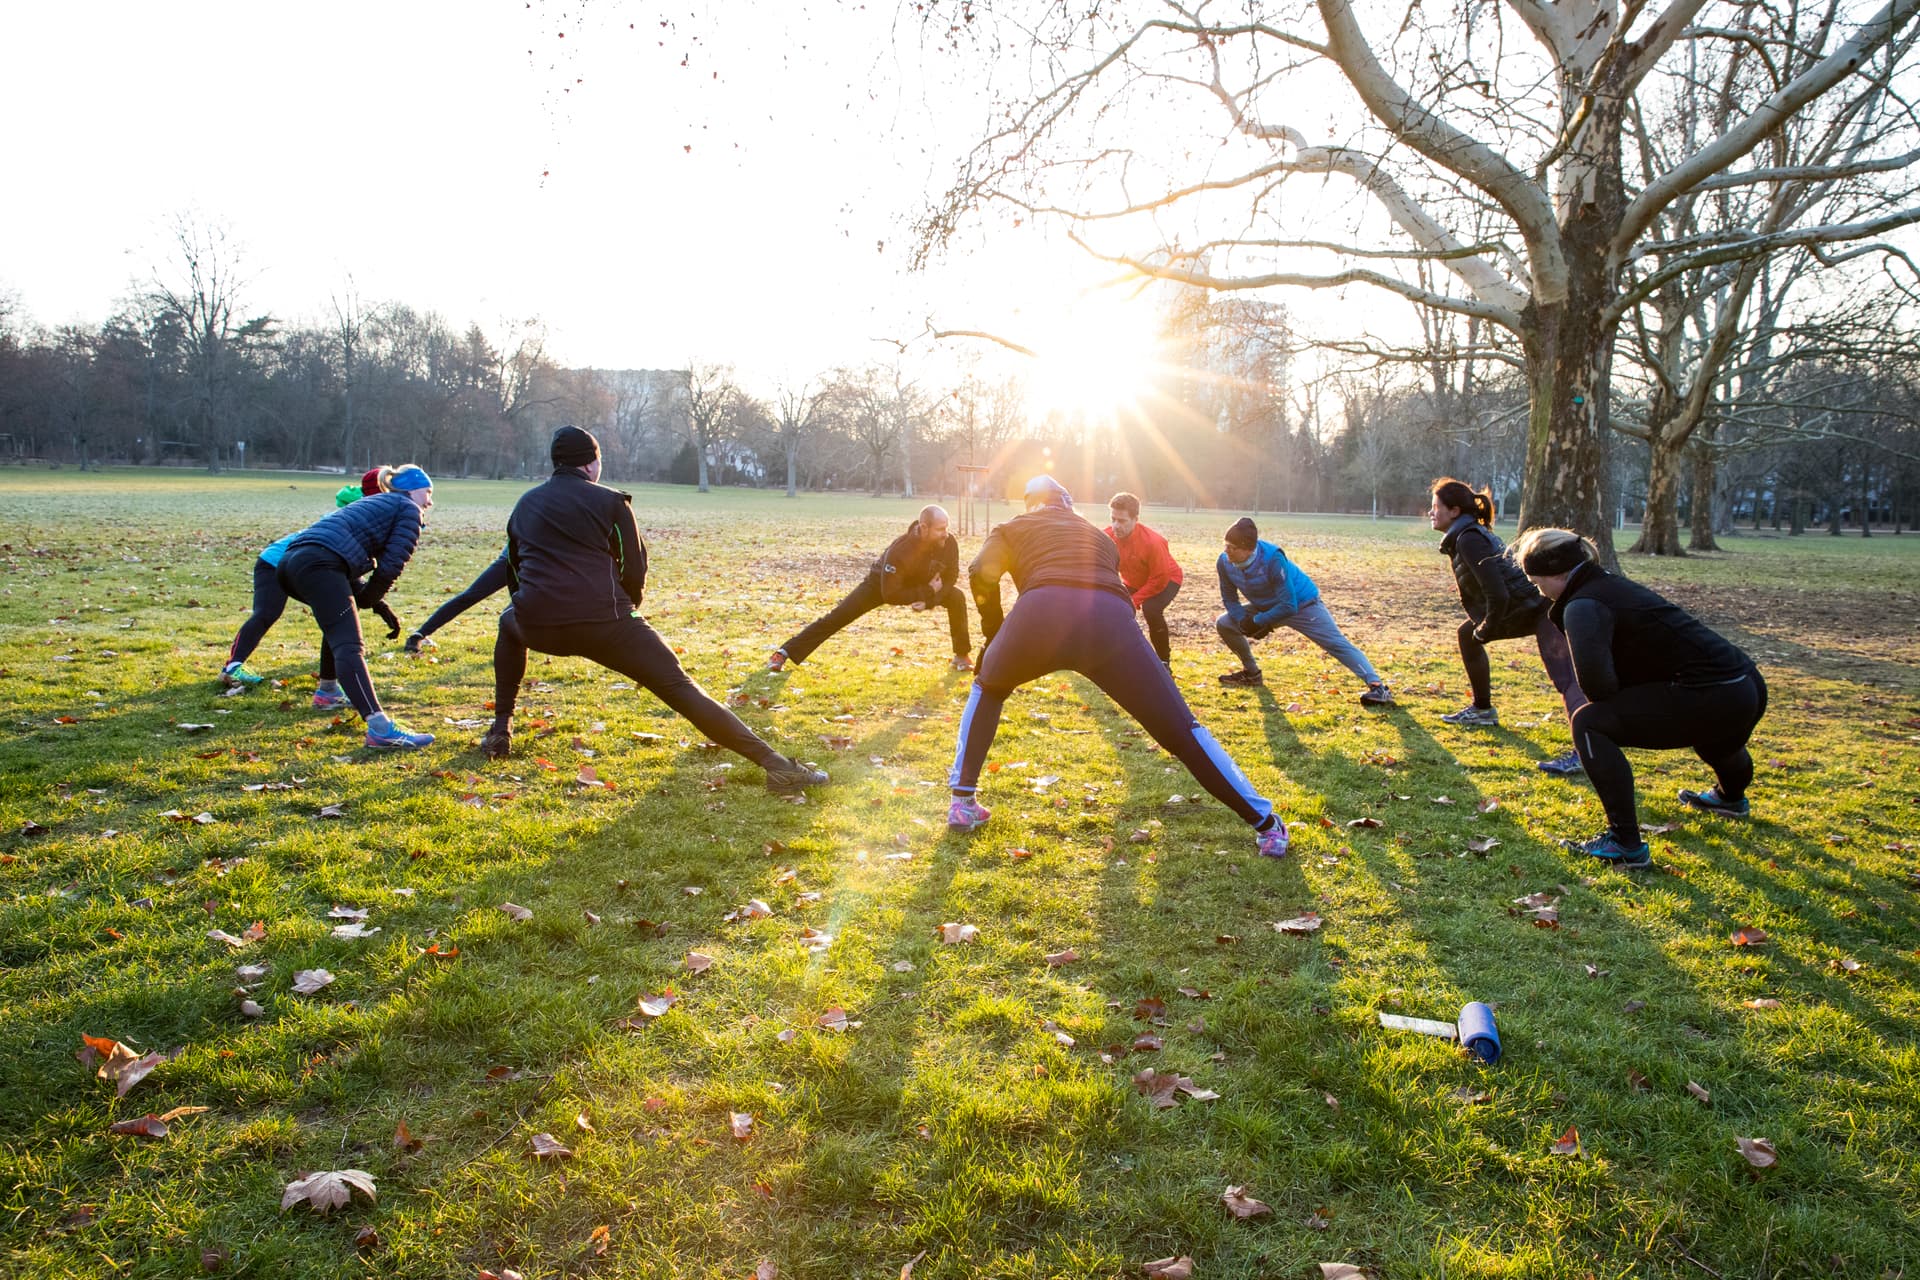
point(1075, 614)
point(578, 572)
point(1278, 593)
point(919, 569)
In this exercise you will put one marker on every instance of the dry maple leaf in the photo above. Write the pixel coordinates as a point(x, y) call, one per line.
point(1486, 844)
point(1157, 1087)
point(403, 1138)
point(1568, 1143)
point(1057, 958)
point(740, 1124)
point(366, 1239)
point(1758, 1152)
point(1180, 1268)
point(1149, 1008)
point(1147, 1042)
point(1301, 924)
point(354, 931)
point(1748, 937)
point(1242, 1205)
point(147, 1126)
point(698, 962)
point(327, 1190)
point(515, 911)
point(308, 981)
point(547, 1147)
point(834, 1019)
point(951, 933)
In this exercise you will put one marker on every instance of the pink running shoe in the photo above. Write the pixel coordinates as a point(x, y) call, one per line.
point(965, 815)
point(1273, 841)
point(331, 701)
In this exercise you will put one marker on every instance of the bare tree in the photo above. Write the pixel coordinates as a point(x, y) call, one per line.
point(199, 290)
point(1460, 126)
point(794, 411)
point(709, 396)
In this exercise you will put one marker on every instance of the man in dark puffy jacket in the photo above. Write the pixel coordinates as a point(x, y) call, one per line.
point(577, 569)
point(920, 569)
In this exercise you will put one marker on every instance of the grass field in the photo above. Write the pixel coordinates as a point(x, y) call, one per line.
point(978, 1114)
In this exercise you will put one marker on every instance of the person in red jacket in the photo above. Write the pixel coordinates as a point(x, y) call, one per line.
point(1147, 567)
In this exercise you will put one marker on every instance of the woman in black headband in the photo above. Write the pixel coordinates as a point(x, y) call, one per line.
point(1657, 678)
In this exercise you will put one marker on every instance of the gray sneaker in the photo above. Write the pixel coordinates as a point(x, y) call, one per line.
point(1473, 717)
point(1563, 765)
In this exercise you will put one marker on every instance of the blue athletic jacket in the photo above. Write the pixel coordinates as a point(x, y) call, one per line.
point(375, 535)
point(1275, 587)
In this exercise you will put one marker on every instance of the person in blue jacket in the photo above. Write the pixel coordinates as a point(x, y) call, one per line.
point(375, 537)
point(1276, 593)
point(270, 601)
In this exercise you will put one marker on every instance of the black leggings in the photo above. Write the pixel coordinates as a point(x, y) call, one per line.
point(492, 580)
point(1715, 720)
point(1079, 629)
point(269, 602)
point(865, 598)
point(636, 651)
point(1154, 609)
point(1553, 656)
point(320, 579)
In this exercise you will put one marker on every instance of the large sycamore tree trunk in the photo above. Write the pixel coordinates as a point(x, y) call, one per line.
point(1704, 506)
point(1660, 534)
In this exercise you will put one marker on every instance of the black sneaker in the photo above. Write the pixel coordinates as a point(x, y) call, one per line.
point(1377, 695)
point(413, 643)
point(1709, 801)
point(496, 742)
point(1610, 848)
point(1242, 679)
point(790, 775)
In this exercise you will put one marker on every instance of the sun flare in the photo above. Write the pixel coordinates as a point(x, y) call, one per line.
point(1098, 361)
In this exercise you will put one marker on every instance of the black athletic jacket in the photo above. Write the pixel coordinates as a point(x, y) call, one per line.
point(1622, 634)
point(902, 574)
point(1046, 547)
point(1493, 590)
point(574, 553)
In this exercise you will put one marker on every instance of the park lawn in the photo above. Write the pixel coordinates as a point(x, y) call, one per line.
point(979, 1112)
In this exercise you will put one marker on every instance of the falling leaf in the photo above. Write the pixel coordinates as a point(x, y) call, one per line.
point(327, 1190)
point(308, 981)
point(1180, 1268)
point(654, 1006)
point(951, 933)
point(1470, 1096)
point(1758, 1152)
point(1301, 924)
point(1242, 1205)
point(698, 962)
point(1568, 1143)
point(592, 919)
point(547, 1147)
point(598, 1239)
point(1633, 1006)
point(740, 1124)
point(1699, 1092)
point(1748, 937)
point(1157, 1087)
point(1194, 993)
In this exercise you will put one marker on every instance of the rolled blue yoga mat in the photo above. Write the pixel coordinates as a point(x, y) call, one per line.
point(1477, 1032)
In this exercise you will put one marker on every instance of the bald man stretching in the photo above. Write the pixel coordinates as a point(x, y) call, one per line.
point(920, 569)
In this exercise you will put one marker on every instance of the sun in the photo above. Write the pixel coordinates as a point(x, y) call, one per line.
point(1099, 359)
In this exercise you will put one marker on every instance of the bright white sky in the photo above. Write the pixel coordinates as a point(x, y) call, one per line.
point(716, 181)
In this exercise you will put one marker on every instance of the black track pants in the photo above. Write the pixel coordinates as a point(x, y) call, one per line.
point(1154, 610)
point(269, 602)
point(865, 598)
point(319, 579)
point(1715, 721)
point(1093, 632)
point(492, 580)
point(635, 650)
point(1553, 656)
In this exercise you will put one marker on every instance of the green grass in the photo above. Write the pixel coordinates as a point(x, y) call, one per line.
point(951, 1121)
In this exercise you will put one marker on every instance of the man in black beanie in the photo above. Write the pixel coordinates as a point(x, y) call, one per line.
point(577, 568)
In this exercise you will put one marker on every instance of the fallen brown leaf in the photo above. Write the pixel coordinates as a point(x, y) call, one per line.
point(327, 1190)
point(740, 1124)
point(1180, 1268)
point(1242, 1205)
point(1057, 958)
point(1758, 1152)
point(1748, 937)
point(1699, 1092)
point(546, 1147)
point(1568, 1143)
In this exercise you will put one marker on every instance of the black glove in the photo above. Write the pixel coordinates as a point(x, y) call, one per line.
point(1249, 626)
point(385, 612)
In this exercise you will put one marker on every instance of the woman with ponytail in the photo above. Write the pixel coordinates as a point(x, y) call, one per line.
point(1657, 678)
point(1501, 605)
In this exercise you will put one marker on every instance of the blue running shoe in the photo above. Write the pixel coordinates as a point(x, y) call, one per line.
point(1610, 848)
point(1563, 765)
point(235, 675)
point(1710, 801)
point(387, 734)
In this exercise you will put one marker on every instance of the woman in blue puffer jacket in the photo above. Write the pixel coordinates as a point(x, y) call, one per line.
point(376, 536)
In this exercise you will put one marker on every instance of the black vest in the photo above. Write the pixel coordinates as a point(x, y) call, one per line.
point(1524, 607)
point(1654, 640)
